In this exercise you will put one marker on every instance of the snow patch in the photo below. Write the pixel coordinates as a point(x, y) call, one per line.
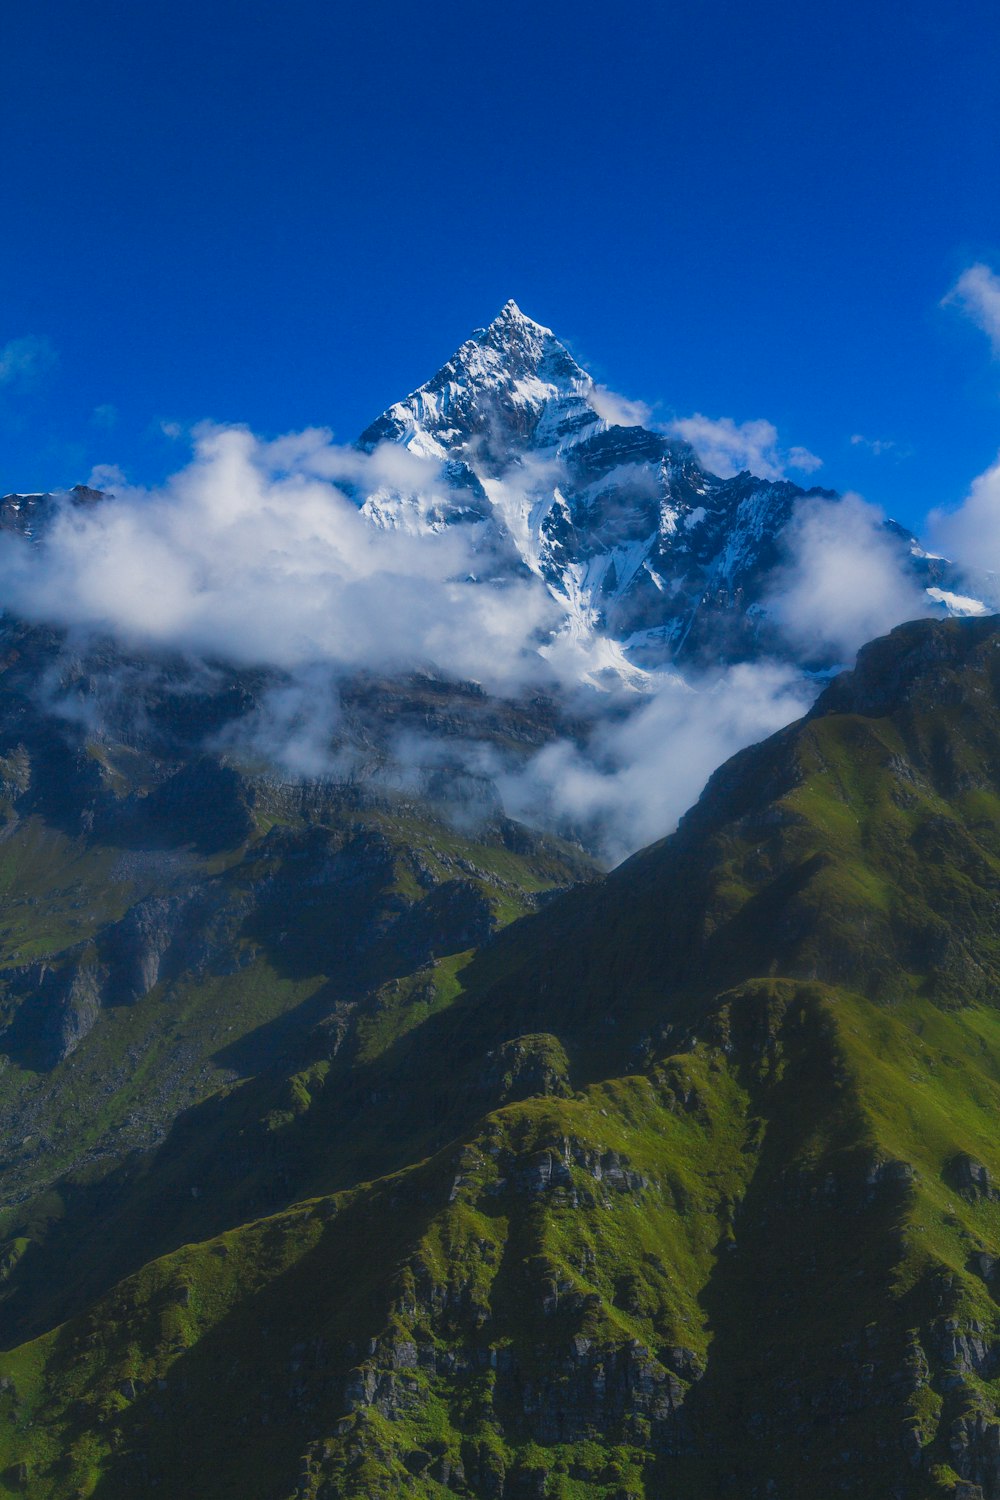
point(958, 604)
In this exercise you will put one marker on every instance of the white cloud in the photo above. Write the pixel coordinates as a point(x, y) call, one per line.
point(844, 581)
point(801, 459)
point(971, 534)
point(247, 553)
point(635, 777)
point(25, 362)
point(253, 553)
point(107, 477)
point(726, 447)
point(618, 410)
point(977, 293)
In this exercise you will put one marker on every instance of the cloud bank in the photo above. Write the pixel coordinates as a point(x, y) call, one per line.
point(271, 555)
point(635, 777)
point(971, 534)
point(842, 583)
point(252, 553)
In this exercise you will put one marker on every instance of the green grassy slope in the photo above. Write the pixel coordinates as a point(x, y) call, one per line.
point(688, 1184)
point(182, 943)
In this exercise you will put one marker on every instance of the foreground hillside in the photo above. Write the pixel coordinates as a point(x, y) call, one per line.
point(686, 1184)
point(179, 932)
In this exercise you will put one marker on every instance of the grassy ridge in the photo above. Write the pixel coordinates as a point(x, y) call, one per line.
point(687, 1184)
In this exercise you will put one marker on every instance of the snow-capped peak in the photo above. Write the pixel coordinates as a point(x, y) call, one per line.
point(509, 386)
point(511, 316)
point(639, 545)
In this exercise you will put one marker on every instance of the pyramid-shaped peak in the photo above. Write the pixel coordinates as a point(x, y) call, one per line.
point(509, 386)
point(513, 347)
point(511, 316)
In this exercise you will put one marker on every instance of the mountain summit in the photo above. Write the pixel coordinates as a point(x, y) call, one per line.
point(641, 546)
point(510, 387)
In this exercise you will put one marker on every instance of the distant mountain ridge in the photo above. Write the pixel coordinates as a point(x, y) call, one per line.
point(636, 540)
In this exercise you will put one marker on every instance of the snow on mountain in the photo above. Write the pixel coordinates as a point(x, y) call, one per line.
point(641, 546)
point(653, 560)
point(511, 387)
point(29, 515)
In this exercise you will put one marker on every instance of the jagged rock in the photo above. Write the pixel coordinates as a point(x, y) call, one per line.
point(971, 1178)
point(527, 1065)
point(974, 1448)
point(137, 945)
point(59, 1005)
point(966, 1349)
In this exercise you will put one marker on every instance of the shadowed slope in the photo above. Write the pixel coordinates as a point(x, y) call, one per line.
point(687, 1184)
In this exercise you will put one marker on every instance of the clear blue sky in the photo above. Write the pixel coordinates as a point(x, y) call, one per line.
point(290, 214)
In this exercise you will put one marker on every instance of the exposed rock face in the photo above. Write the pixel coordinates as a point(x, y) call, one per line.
point(972, 1179)
point(163, 935)
point(59, 1005)
point(525, 1066)
point(30, 515)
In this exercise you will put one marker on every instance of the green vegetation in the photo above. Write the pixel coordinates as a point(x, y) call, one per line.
point(686, 1184)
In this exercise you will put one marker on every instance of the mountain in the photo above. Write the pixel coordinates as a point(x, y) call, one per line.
point(357, 1140)
point(651, 559)
point(177, 917)
point(636, 541)
point(29, 515)
point(685, 1183)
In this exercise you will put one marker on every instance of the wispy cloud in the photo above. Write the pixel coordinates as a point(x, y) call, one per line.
point(875, 446)
point(25, 362)
point(977, 293)
point(106, 477)
point(727, 447)
point(619, 410)
point(104, 416)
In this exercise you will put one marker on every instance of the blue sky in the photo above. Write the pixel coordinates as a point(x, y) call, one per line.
point(290, 215)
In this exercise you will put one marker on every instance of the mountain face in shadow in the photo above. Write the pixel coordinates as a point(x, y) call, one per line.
point(685, 1182)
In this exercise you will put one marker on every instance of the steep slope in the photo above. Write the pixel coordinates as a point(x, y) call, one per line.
point(636, 541)
point(178, 925)
point(685, 1184)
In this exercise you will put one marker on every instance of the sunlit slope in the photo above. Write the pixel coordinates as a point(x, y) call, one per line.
point(687, 1185)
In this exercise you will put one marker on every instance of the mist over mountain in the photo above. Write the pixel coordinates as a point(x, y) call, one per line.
point(511, 523)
